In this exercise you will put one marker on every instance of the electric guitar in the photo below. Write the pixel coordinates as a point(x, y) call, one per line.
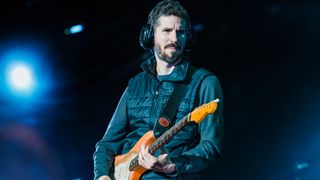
point(126, 166)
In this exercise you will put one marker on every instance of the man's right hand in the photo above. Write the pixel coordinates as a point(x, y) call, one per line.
point(161, 164)
point(104, 178)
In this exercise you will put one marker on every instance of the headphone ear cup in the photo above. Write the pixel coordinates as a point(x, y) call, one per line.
point(146, 37)
point(190, 41)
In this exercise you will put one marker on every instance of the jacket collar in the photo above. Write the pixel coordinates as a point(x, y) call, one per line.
point(178, 74)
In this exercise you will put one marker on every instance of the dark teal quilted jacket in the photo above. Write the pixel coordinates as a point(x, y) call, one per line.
point(140, 106)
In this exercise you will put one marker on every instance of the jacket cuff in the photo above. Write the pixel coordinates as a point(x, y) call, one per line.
point(97, 175)
point(181, 166)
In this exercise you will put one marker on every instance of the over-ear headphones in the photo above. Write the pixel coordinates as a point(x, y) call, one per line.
point(146, 37)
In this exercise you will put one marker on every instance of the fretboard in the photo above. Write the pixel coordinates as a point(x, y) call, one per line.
point(165, 137)
point(162, 140)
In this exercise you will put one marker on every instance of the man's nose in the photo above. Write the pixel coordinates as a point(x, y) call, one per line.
point(173, 37)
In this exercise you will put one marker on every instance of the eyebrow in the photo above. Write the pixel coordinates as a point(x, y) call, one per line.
point(168, 28)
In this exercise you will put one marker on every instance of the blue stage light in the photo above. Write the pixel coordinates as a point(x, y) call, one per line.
point(24, 74)
point(20, 77)
point(74, 29)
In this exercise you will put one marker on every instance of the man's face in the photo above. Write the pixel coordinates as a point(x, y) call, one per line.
point(170, 38)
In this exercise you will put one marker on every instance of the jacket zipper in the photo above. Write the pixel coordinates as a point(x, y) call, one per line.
point(154, 103)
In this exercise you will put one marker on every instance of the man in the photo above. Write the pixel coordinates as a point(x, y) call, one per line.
point(168, 36)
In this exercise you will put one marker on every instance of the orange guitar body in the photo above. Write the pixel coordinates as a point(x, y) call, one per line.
point(122, 161)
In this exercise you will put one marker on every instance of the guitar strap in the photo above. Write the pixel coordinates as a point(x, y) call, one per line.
point(166, 118)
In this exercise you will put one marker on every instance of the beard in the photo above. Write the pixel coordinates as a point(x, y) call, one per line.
point(165, 57)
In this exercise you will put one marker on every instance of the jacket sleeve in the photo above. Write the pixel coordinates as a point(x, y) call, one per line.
point(210, 130)
point(112, 141)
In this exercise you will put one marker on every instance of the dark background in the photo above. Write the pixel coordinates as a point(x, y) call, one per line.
point(265, 54)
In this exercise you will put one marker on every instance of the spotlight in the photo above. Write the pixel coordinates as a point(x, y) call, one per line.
point(21, 77)
point(74, 29)
point(25, 76)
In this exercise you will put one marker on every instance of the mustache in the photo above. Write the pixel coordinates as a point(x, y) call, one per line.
point(177, 46)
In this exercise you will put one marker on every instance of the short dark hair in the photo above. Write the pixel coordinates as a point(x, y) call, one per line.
point(167, 8)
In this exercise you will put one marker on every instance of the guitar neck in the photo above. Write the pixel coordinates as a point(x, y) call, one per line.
point(165, 137)
point(162, 140)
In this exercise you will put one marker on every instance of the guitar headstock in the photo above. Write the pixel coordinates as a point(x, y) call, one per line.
point(199, 113)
